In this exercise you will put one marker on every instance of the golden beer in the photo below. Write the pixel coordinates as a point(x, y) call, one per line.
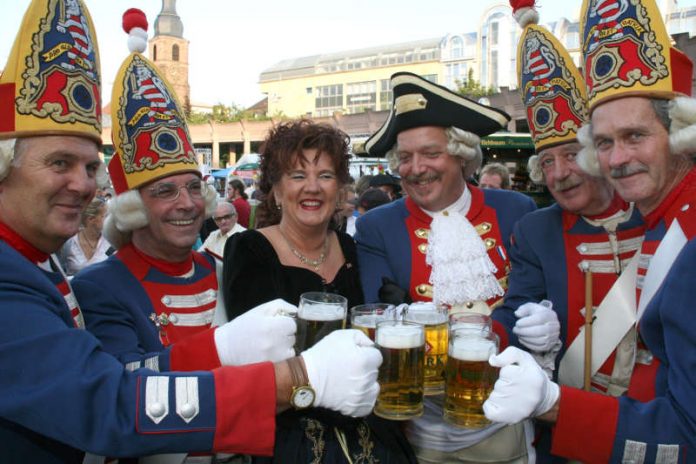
point(434, 320)
point(400, 376)
point(469, 377)
point(365, 317)
point(318, 315)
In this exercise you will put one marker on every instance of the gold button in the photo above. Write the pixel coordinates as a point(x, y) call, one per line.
point(490, 243)
point(483, 228)
point(422, 233)
point(423, 248)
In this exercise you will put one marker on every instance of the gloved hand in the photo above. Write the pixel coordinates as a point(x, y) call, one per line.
point(391, 293)
point(537, 326)
point(522, 390)
point(264, 333)
point(342, 369)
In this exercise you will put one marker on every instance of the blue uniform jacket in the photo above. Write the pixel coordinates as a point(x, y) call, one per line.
point(384, 239)
point(61, 393)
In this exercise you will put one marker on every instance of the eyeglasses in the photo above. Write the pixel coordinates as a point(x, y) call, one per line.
point(169, 191)
point(226, 217)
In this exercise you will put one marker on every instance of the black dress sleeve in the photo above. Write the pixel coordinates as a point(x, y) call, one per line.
point(250, 272)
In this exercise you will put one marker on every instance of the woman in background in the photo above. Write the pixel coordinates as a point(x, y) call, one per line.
point(88, 246)
point(303, 168)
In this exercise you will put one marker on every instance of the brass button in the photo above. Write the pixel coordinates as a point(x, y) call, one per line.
point(483, 228)
point(490, 243)
point(422, 233)
point(423, 248)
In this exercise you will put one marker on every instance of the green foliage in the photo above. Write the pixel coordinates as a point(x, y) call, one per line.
point(223, 113)
point(471, 88)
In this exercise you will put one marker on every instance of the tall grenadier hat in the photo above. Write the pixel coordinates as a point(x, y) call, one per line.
point(150, 135)
point(418, 102)
point(627, 51)
point(552, 89)
point(52, 81)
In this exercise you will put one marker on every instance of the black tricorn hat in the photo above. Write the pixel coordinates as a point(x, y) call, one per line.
point(418, 102)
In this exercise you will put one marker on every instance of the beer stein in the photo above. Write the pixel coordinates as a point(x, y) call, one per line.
point(434, 319)
point(318, 315)
point(400, 376)
point(366, 316)
point(469, 379)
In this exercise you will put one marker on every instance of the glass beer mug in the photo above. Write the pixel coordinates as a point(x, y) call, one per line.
point(469, 379)
point(434, 319)
point(318, 315)
point(400, 376)
point(365, 317)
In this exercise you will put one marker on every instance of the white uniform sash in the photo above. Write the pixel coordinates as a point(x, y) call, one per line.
point(660, 264)
point(615, 316)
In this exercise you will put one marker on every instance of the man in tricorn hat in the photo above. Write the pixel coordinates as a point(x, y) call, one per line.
point(60, 393)
point(446, 242)
point(641, 139)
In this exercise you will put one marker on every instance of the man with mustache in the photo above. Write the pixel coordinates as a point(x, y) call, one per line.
point(61, 393)
point(447, 241)
point(641, 139)
point(589, 229)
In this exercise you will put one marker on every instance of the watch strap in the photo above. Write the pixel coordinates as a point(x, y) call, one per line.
point(297, 372)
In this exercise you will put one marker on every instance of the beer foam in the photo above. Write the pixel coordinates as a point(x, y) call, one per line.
point(399, 336)
point(472, 348)
point(426, 317)
point(321, 312)
point(367, 320)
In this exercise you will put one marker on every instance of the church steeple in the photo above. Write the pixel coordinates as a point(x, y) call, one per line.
point(169, 50)
point(168, 22)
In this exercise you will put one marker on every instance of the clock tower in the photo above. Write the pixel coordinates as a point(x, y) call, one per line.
point(169, 50)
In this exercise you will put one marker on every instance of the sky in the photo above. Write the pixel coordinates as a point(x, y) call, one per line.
point(232, 42)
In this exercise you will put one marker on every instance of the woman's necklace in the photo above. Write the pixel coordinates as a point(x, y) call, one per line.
point(91, 245)
point(313, 263)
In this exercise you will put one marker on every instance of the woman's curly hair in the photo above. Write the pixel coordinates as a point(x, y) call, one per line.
point(286, 144)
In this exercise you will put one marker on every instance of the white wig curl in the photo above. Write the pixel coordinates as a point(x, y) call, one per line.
point(534, 169)
point(7, 153)
point(682, 134)
point(466, 145)
point(127, 213)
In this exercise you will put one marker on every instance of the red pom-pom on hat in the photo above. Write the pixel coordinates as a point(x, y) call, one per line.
point(133, 17)
point(517, 4)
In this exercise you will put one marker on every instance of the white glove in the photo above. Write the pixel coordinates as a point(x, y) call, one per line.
point(537, 326)
point(342, 369)
point(522, 390)
point(264, 333)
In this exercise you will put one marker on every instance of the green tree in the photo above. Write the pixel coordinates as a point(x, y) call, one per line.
point(471, 88)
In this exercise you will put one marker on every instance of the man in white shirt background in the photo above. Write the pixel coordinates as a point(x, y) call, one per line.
point(226, 219)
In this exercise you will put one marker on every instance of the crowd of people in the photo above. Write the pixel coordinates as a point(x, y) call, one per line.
point(159, 324)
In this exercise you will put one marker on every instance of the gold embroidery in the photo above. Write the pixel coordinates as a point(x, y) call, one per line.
point(366, 445)
point(314, 430)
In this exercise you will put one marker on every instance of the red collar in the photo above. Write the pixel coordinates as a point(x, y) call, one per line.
point(477, 205)
point(655, 216)
point(617, 204)
point(27, 250)
point(166, 267)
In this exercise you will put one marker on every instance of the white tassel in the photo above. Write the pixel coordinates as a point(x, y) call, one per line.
point(461, 269)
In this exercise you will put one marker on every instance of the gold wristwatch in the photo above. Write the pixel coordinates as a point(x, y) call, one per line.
point(303, 394)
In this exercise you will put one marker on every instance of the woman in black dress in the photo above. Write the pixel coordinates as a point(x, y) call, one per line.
point(303, 167)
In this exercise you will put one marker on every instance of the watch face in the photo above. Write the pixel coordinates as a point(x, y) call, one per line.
point(303, 397)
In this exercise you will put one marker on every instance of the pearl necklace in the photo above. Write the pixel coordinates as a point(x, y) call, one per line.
point(313, 263)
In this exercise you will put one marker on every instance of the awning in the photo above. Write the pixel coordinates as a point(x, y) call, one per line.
point(508, 141)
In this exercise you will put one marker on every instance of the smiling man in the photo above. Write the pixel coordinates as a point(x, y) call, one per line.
point(446, 242)
point(588, 229)
point(641, 140)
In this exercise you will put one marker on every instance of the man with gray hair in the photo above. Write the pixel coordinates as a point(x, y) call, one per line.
point(641, 140)
point(446, 242)
point(226, 219)
point(496, 176)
